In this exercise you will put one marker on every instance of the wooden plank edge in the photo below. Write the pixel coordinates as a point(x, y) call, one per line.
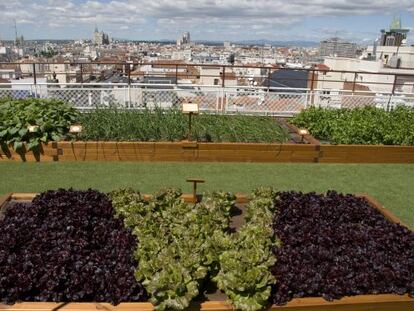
point(384, 211)
point(33, 306)
point(311, 303)
point(23, 196)
point(4, 199)
point(93, 306)
point(314, 303)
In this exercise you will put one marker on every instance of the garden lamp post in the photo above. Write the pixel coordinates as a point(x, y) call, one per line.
point(33, 128)
point(190, 109)
point(302, 133)
point(75, 129)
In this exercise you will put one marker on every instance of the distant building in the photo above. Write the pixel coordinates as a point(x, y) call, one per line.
point(211, 75)
point(100, 38)
point(395, 36)
point(5, 53)
point(337, 47)
point(391, 48)
point(10, 72)
point(184, 39)
point(389, 55)
point(19, 41)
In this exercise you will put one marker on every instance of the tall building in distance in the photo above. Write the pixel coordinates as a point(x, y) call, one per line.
point(337, 47)
point(100, 38)
point(19, 40)
point(395, 36)
point(184, 39)
point(392, 47)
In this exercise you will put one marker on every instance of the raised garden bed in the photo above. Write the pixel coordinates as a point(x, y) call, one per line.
point(242, 215)
point(157, 136)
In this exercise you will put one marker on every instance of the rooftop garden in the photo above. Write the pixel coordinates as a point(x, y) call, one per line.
point(275, 246)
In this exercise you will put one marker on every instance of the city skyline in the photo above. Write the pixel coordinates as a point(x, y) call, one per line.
point(229, 20)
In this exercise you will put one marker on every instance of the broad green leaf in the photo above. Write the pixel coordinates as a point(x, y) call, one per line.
point(18, 145)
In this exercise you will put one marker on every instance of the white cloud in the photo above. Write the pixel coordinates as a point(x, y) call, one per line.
point(199, 16)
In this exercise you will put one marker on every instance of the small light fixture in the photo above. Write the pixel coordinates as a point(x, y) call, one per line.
point(190, 109)
point(75, 129)
point(302, 133)
point(32, 128)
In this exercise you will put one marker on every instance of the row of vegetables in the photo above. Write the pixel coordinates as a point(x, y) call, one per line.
point(27, 123)
point(69, 245)
point(362, 125)
point(51, 120)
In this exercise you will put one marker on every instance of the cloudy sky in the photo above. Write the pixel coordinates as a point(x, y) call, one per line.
point(206, 19)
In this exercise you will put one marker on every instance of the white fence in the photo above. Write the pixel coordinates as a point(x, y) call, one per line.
point(248, 100)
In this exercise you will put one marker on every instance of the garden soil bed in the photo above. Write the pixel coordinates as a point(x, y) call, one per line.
point(214, 300)
point(300, 149)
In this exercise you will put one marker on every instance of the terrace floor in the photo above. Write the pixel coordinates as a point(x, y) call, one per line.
point(391, 184)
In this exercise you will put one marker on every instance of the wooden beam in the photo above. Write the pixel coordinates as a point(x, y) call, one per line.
point(32, 306)
point(384, 212)
point(23, 196)
point(4, 199)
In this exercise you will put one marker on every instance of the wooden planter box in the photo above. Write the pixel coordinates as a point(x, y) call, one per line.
point(385, 302)
point(215, 152)
point(310, 151)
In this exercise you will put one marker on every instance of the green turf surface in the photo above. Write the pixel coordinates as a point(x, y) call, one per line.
point(391, 184)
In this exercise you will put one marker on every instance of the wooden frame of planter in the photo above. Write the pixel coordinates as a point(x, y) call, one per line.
point(310, 151)
point(383, 302)
point(217, 152)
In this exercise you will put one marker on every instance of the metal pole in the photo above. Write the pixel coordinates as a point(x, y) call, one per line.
point(268, 79)
point(224, 77)
point(34, 74)
point(129, 75)
point(312, 79)
point(176, 74)
point(81, 73)
point(34, 80)
point(353, 85)
point(394, 85)
point(189, 126)
point(312, 94)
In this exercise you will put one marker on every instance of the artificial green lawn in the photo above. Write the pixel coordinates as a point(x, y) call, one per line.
point(391, 184)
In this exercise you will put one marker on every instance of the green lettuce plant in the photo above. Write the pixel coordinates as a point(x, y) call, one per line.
point(244, 273)
point(52, 118)
point(366, 125)
point(178, 243)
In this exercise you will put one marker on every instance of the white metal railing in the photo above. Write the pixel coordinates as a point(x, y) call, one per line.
point(240, 99)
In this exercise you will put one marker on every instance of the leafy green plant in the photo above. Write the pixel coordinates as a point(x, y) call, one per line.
point(172, 125)
point(245, 264)
point(52, 117)
point(179, 243)
point(366, 125)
